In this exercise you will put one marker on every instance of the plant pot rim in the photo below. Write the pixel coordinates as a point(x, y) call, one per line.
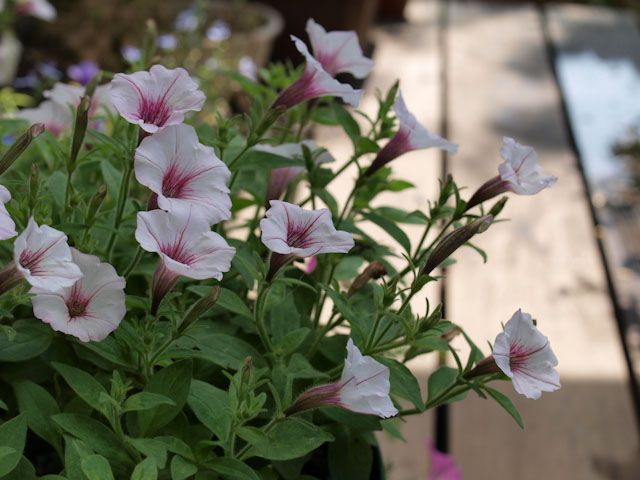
point(272, 27)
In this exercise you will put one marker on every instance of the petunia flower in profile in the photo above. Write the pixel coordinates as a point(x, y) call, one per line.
point(157, 98)
point(281, 178)
point(183, 174)
point(411, 135)
point(524, 355)
point(363, 388)
point(36, 8)
point(520, 173)
point(55, 117)
point(290, 231)
point(315, 82)
point(91, 308)
point(42, 257)
point(338, 52)
point(7, 226)
point(187, 248)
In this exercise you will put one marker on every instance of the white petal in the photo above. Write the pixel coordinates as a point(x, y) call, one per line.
point(522, 169)
point(7, 225)
point(56, 118)
point(338, 51)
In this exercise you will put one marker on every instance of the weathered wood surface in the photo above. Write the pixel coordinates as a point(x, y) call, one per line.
point(544, 260)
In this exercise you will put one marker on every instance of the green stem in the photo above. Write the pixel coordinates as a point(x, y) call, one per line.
point(134, 263)
point(122, 201)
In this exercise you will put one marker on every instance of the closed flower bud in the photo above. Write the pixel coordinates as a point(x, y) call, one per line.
point(95, 204)
point(79, 131)
point(374, 271)
point(200, 308)
point(454, 240)
point(19, 146)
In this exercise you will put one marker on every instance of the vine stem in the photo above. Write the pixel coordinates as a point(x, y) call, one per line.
point(122, 201)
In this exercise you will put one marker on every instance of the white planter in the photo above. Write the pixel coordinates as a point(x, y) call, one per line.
point(10, 52)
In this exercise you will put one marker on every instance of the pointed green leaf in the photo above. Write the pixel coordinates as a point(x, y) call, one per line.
point(505, 403)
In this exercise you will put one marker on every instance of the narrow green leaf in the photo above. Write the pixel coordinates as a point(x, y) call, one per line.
point(505, 403)
point(403, 383)
point(391, 228)
point(84, 385)
point(233, 469)
point(440, 380)
point(145, 401)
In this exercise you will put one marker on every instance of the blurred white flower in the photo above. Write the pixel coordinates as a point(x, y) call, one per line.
point(521, 169)
point(55, 117)
point(7, 226)
point(131, 54)
point(218, 31)
point(157, 98)
point(337, 51)
point(91, 308)
point(186, 21)
point(167, 42)
point(184, 174)
point(247, 67)
point(525, 356)
point(36, 8)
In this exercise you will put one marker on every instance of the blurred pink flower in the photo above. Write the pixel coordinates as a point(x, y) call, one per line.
point(442, 466)
point(337, 51)
point(411, 136)
point(36, 8)
point(184, 174)
point(315, 82)
point(69, 96)
point(525, 356)
point(55, 117)
point(157, 98)
point(186, 246)
point(363, 387)
point(311, 265)
point(91, 308)
point(7, 226)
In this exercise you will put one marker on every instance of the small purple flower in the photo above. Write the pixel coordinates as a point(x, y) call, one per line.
point(187, 21)
point(49, 70)
point(8, 139)
point(130, 53)
point(167, 42)
point(83, 72)
point(248, 68)
point(30, 80)
point(219, 31)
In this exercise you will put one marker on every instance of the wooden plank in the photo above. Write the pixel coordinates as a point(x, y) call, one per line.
point(409, 52)
point(544, 260)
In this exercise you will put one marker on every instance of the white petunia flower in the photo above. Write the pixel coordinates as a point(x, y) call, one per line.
point(157, 98)
point(525, 356)
point(281, 178)
point(184, 174)
point(337, 51)
point(43, 258)
point(363, 387)
point(186, 246)
point(315, 82)
point(521, 169)
point(7, 226)
point(55, 117)
point(69, 96)
point(411, 135)
point(91, 308)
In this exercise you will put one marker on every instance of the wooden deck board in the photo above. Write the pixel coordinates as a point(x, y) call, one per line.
point(544, 260)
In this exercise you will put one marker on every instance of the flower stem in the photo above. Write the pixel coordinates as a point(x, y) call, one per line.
point(122, 201)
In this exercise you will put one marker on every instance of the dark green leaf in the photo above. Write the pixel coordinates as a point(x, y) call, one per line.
point(85, 386)
point(440, 380)
point(96, 467)
point(145, 470)
point(145, 401)
point(403, 383)
point(391, 228)
point(233, 469)
point(211, 407)
point(181, 468)
point(31, 339)
point(505, 403)
point(13, 434)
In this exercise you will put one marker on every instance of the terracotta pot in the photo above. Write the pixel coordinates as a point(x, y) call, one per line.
point(357, 15)
point(10, 52)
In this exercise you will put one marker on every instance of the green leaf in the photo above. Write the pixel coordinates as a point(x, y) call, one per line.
point(181, 468)
point(288, 439)
point(211, 406)
point(39, 406)
point(227, 351)
point(13, 434)
point(145, 401)
point(112, 177)
point(391, 228)
point(172, 382)
point(92, 432)
point(261, 161)
point(299, 367)
point(291, 341)
point(403, 383)
point(75, 451)
point(350, 458)
point(357, 421)
point(145, 470)
point(85, 386)
point(96, 467)
point(505, 403)
point(233, 303)
point(152, 448)
point(57, 186)
point(440, 380)
point(23, 471)
point(31, 339)
point(233, 469)
point(347, 122)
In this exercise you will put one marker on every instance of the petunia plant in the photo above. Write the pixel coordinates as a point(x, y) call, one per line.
point(190, 300)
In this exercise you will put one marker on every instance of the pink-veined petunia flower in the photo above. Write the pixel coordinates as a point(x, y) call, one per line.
point(520, 173)
point(91, 308)
point(411, 135)
point(281, 178)
point(525, 356)
point(183, 174)
point(36, 8)
point(157, 98)
point(315, 82)
point(338, 52)
point(290, 231)
point(187, 247)
point(7, 226)
point(55, 117)
point(363, 387)
point(42, 257)
point(442, 466)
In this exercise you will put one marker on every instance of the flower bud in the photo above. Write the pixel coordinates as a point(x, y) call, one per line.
point(200, 307)
point(90, 89)
point(375, 270)
point(79, 131)
point(95, 204)
point(484, 367)
point(490, 189)
point(19, 146)
point(9, 277)
point(454, 240)
point(498, 206)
